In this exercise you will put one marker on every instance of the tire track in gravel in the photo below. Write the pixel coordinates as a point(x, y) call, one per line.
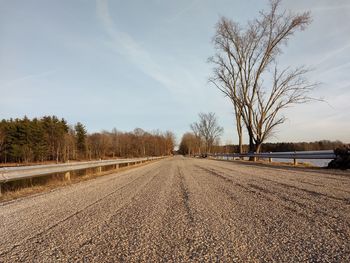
point(225, 207)
point(292, 176)
point(333, 228)
point(55, 205)
point(269, 193)
point(32, 241)
point(214, 233)
point(131, 234)
point(280, 188)
point(177, 226)
point(185, 197)
point(186, 210)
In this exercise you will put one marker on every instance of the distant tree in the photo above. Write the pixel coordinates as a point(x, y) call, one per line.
point(189, 144)
point(141, 137)
point(170, 140)
point(70, 150)
point(55, 131)
point(198, 136)
point(99, 144)
point(39, 144)
point(2, 139)
point(208, 129)
point(115, 136)
point(81, 134)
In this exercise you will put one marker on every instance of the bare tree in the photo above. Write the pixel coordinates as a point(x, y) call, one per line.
point(189, 143)
point(288, 87)
point(198, 137)
point(140, 134)
point(227, 81)
point(170, 140)
point(244, 55)
point(2, 138)
point(208, 129)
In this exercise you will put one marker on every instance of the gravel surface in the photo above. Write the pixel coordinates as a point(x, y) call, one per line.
point(184, 210)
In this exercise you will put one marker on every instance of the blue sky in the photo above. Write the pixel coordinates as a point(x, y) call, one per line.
point(129, 64)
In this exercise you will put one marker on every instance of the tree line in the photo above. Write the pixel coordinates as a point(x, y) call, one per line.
point(52, 139)
point(284, 147)
point(189, 146)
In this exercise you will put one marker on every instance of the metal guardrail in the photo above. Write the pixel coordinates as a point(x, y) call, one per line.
point(9, 174)
point(278, 155)
point(281, 155)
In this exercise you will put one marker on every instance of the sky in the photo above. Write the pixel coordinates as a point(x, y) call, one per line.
point(128, 64)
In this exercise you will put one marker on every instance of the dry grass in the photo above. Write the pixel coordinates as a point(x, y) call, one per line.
point(275, 164)
point(299, 164)
point(50, 162)
point(19, 189)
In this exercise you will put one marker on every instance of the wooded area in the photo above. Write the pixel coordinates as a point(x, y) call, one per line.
point(191, 146)
point(52, 139)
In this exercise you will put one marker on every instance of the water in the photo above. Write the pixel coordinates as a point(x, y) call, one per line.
point(313, 162)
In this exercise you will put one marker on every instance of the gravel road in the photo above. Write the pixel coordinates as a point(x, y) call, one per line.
point(184, 210)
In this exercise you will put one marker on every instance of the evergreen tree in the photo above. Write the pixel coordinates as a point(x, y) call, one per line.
point(81, 134)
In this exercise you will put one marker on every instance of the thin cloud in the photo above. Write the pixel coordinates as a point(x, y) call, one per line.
point(124, 44)
point(336, 68)
point(30, 77)
point(181, 12)
point(331, 7)
point(332, 54)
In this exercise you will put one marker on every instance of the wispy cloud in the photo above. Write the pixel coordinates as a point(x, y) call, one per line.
point(326, 7)
point(337, 68)
point(29, 77)
point(333, 53)
point(124, 44)
point(330, 7)
point(184, 10)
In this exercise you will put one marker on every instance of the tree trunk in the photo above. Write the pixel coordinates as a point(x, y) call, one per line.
point(240, 142)
point(239, 128)
point(258, 147)
point(251, 143)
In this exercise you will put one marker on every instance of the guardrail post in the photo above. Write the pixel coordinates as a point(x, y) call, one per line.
point(270, 159)
point(67, 176)
point(99, 169)
point(295, 162)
